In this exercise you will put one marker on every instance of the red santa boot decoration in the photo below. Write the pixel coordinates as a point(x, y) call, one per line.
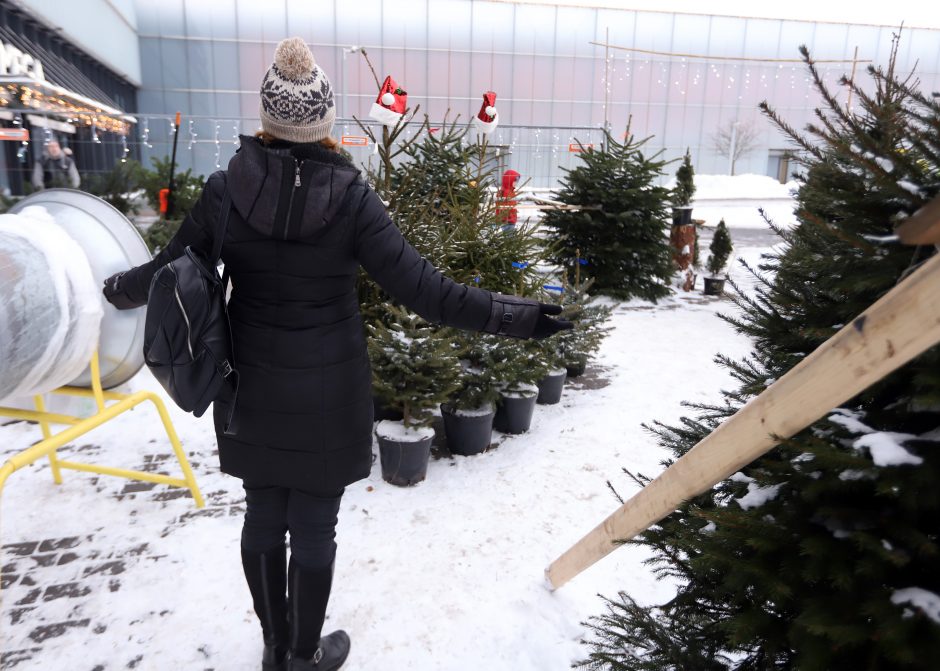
point(485, 122)
point(390, 105)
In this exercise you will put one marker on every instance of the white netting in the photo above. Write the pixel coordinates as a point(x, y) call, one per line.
point(50, 305)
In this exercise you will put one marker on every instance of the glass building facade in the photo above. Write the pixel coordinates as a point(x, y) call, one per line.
point(560, 72)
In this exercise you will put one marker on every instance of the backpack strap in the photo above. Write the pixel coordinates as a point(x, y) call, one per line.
point(231, 422)
point(221, 227)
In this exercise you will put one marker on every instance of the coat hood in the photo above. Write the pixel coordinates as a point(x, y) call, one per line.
point(288, 191)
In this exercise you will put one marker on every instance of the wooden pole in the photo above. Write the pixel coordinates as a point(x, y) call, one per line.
point(922, 227)
point(902, 324)
point(848, 103)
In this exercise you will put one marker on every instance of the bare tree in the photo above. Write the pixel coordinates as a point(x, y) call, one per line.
point(734, 140)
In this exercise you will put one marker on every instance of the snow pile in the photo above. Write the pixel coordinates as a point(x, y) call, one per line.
point(886, 449)
point(757, 496)
point(399, 433)
point(925, 600)
point(749, 186)
point(737, 199)
point(474, 412)
point(850, 420)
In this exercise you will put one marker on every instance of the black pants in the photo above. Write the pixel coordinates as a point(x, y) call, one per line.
point(310, 518)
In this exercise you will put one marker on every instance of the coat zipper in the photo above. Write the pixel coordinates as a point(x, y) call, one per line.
point(290, 204)
point(179, 301)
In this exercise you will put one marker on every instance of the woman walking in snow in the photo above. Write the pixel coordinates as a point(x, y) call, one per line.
point(302, 222)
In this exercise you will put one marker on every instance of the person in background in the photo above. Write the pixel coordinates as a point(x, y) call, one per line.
point(56, 168)
point(302, 223)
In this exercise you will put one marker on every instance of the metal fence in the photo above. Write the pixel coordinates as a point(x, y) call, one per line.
point(540, 154)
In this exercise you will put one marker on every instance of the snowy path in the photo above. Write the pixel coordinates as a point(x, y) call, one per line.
point(445, 576)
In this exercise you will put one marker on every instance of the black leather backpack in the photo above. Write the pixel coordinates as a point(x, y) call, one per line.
point(187, 336)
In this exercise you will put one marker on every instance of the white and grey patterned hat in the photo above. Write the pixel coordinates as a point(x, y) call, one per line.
point(296, 97)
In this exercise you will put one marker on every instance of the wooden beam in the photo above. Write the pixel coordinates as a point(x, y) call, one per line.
point(922, 227)
point(898, 327)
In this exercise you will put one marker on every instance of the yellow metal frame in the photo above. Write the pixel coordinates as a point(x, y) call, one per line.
point(79, 426)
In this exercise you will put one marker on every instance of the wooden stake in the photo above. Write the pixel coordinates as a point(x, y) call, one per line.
point(902, 324)
point(922, 227)
point(848, 103)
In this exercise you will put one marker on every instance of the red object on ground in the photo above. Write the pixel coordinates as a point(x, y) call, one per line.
point(506, 203)
point(164, 200)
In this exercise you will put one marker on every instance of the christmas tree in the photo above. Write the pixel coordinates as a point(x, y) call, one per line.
point(577, 345)
point(476, 249)
point(720, 250)
point(622, 227)
point(414, 366)
point(476, 385)
point(685, 182)
point(822, 554)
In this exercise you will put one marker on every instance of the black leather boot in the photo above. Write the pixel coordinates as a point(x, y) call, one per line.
point(266, 574)
point(309, 591)
point(330, 654)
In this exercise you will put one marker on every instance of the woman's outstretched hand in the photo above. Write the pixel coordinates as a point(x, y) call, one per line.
point(114, 292)
point(519, 317)
point(545, 326)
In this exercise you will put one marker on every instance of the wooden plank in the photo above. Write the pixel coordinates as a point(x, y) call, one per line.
point(902, 324)
point(922, 227)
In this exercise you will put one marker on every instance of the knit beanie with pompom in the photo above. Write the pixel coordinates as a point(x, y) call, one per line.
point(296, 97)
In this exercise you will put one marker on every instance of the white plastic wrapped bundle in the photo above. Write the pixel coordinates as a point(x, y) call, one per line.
point(111, 243)
point(50, 305)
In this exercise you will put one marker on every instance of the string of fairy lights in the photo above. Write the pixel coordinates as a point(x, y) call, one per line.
point(631, 79)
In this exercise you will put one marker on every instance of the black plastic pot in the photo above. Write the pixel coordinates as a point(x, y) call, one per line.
point(403, 463)
point(576, 369)
point(681, 216)
point(550, 388)
point(467, 434)
point(515, 413)
point(714, 286)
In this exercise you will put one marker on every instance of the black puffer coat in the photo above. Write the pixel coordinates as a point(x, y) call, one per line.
point(303, 221)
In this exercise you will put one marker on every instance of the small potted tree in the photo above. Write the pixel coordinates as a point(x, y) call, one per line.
point(579, 344)
point(468, 414)
point(519, 365)
point(683, 191)
point(682, 235)
point(414, 368)
point(553, 382)
point(717, 262)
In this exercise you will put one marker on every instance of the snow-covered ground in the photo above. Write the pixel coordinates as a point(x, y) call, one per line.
point(102, 573)
point(736, 200)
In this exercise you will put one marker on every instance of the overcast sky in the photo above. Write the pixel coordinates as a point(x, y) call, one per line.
point(914, 13)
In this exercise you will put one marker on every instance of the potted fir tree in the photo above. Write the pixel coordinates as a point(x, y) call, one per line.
point(414, 371)
point(468, 414)
point(717, 262)
point(683, 234)
point(683, 192)
point(519, 364)
point(553, 382)
point(578, 345)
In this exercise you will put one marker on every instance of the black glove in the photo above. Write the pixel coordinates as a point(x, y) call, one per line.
point(115, 294)
point(523, 318)
point(546, 326)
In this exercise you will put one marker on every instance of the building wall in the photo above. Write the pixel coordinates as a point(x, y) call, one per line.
point(206, 59)
point(105, 29)
point(94, 152)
